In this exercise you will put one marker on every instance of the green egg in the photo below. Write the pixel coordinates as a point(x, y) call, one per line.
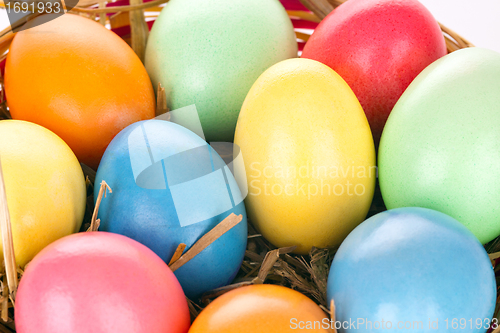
point(440, 148)
point(210, 52)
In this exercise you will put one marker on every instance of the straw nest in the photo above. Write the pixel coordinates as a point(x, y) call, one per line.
point(263, 263)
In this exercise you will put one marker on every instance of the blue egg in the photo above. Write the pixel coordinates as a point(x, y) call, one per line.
point(412, 269)
point(170, 187)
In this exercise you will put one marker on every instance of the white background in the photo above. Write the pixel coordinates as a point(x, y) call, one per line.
point(476, 20)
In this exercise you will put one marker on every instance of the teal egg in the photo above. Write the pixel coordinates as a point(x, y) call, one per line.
point(427, 273)
point(209, 53)
point(440, 148)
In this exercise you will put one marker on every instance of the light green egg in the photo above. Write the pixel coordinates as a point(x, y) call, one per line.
point(440, 147)
point(210, 52)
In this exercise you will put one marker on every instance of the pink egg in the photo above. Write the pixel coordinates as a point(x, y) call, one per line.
point(378, 47)
point(98, 282)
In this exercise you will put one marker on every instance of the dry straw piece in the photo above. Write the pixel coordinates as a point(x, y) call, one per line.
point(7, 241)
point(161, 102)
point(10, 270)
point(332, 314)
point(139, 30)
point(95, 222)
point(220, 229)
point(178, 253)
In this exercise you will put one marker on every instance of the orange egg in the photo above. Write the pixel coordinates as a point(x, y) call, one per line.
point(261, 309)
point(78, 79)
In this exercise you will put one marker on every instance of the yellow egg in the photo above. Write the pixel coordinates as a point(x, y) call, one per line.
point(44, 184)
point(309, 156)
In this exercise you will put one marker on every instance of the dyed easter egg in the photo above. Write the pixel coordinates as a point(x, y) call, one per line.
point(209, 53)
point(78, 79)
point(378, 47)
point(412, 269)
point(44, 184)
point(309, 156)
point(441, 145)
point(170, 187)
point(259, 309)
point(99, 282)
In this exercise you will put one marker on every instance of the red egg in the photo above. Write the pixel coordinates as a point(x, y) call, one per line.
point(101, 283)
point(378, 47)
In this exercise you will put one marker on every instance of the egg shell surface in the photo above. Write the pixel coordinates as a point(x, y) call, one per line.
point(412, 265)
point(441, 145)
point(209, 53)
point(378, 47)
point(309, 156)
point(78, 79)
point(45, 187)
point(148, 213)
point(260, 309)
point(100, 282)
